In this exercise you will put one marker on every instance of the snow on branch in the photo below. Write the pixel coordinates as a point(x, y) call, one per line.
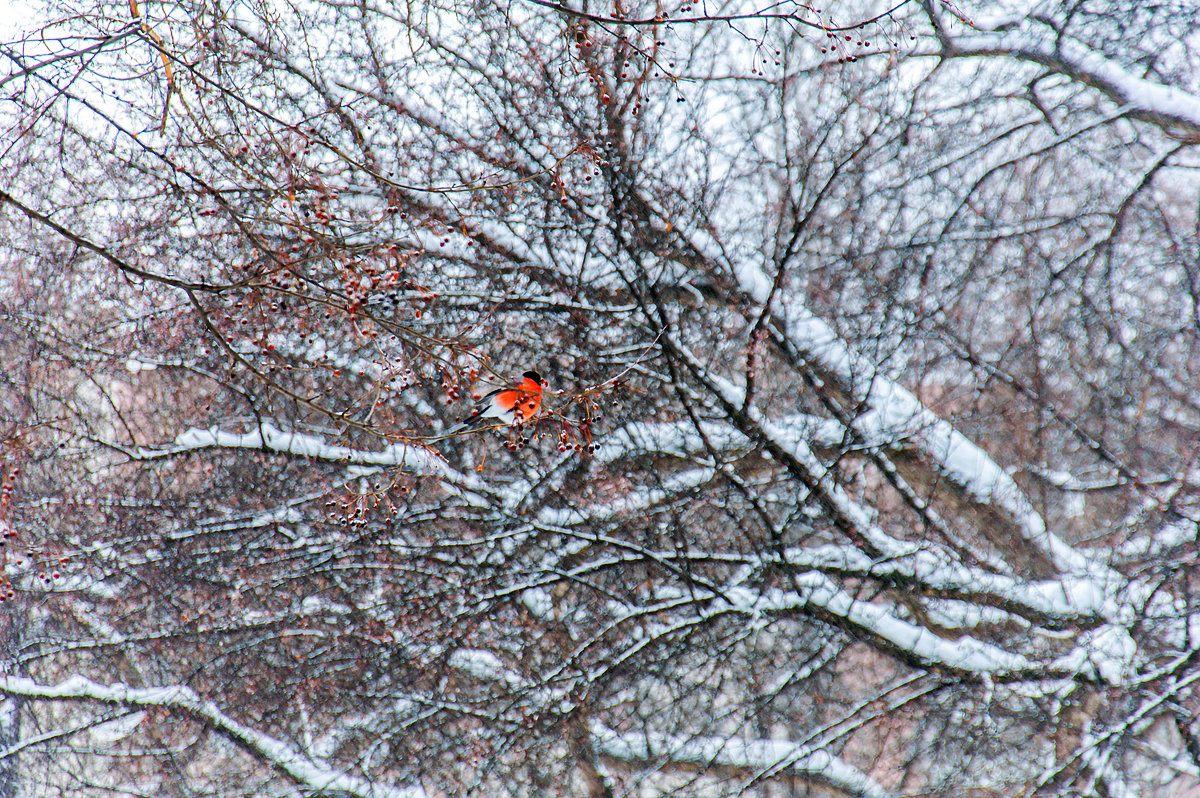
point(756, 758)
point(887, 414)
point(680, 438)
point(1176, 111)
point(269, 438)
point(892, 408)
point(308, 772)
point(1055, 603)
point(817, 594)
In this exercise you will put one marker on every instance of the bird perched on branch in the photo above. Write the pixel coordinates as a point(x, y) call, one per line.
point(507, 406)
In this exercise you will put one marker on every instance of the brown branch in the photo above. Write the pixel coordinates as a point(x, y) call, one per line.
point(663, 19)
point(121, 264)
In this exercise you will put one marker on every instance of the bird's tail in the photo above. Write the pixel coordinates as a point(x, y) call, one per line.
point(471, 423)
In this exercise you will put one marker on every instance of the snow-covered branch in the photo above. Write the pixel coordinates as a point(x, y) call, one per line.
point(1175, 110)
point(308, 772)
point(890, 408)
point(269, 438)
point(751, 758)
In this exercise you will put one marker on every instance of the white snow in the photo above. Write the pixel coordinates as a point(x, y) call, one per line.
point(774, 756)
point(312, 774)
point(1176, 110)
point(118, 729)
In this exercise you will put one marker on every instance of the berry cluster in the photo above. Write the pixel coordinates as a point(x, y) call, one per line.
point(454, 380)
point(576, 436)
point(6, 491)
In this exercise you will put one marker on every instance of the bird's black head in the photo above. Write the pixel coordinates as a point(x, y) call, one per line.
point(533, 375)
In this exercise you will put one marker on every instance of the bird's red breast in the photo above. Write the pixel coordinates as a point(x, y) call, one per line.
point(516, 404)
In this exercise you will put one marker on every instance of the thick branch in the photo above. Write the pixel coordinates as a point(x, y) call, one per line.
point(308, 772)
